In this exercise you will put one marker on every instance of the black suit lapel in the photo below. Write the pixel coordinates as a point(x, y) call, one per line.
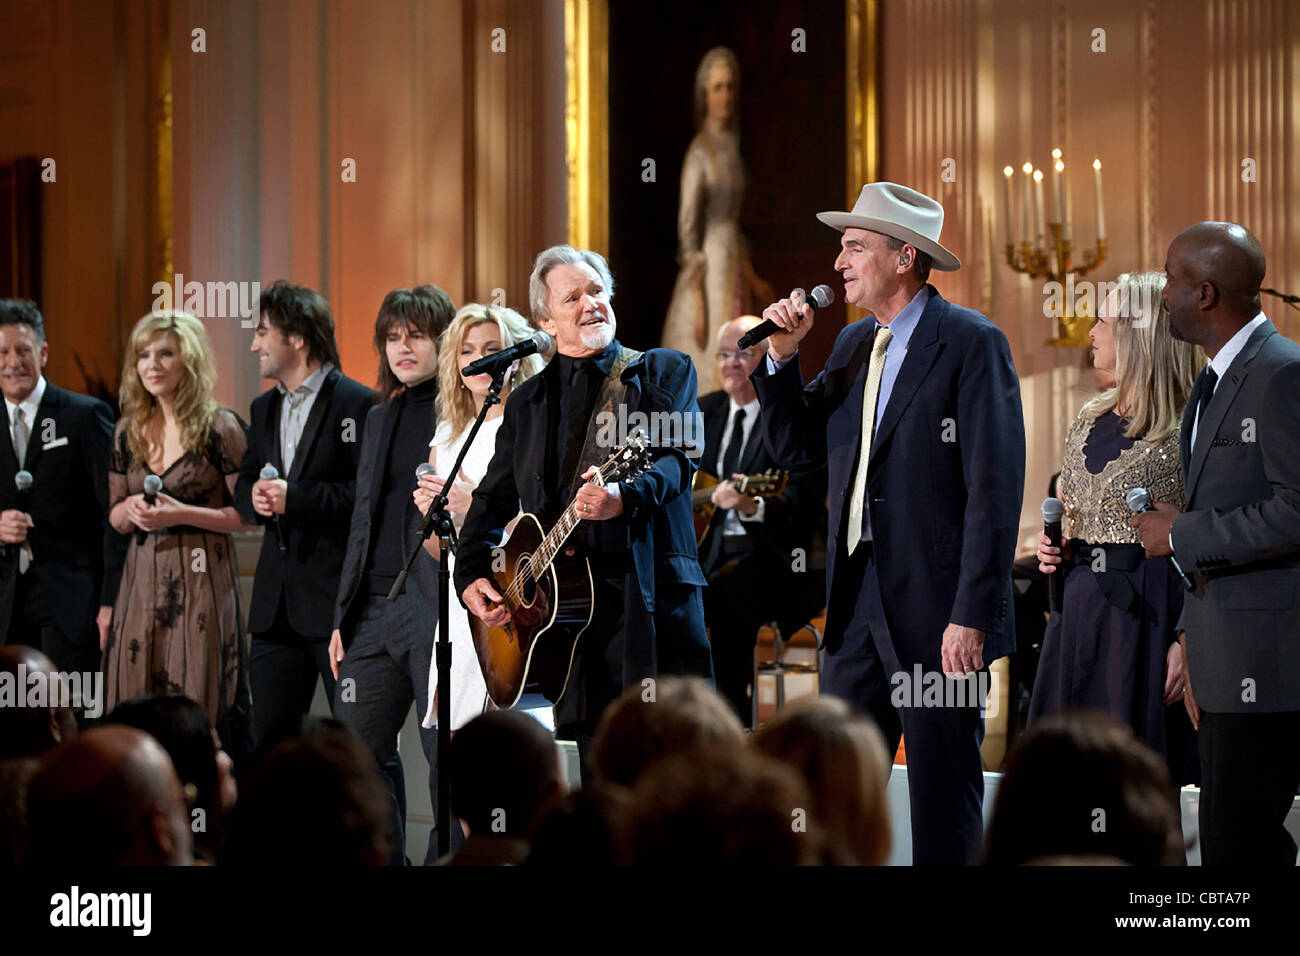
point(51, 403)
point(381, 451)
point(314, 418)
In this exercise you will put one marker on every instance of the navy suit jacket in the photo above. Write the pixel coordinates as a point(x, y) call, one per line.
point(664, 622)
point(946, 478)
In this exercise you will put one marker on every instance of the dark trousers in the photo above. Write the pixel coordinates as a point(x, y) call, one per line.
point(284, 666)
point(32, 624)
point(596, 679)
point(944, 772)
point(747, 591)
point(1250, 769)
point(385, 670)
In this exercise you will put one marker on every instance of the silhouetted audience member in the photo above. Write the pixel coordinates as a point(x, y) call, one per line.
point(584, 830)
point(26, 733)
point(30, 731)
point(1080, 784)
point(841, 757)
point(316, 799)
point(205, 770)
point(669, 716)
point(108, 798)
point(730, 807)
point(505, 772)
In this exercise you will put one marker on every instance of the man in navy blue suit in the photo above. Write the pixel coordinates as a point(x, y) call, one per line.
point(917, 416)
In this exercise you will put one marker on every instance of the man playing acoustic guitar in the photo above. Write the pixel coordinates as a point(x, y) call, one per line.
point(638, 534)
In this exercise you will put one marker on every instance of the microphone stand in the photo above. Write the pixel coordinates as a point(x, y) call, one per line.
point(439, 520)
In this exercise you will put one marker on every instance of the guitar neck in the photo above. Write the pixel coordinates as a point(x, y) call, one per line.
point(555, 539)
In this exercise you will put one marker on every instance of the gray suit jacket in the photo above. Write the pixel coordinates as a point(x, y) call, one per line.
point(1240, 535)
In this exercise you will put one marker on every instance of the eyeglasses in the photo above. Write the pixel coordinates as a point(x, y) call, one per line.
point(726, 355)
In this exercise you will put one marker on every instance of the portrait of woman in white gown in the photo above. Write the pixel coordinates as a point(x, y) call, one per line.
point(476, 331)
point(716, 281)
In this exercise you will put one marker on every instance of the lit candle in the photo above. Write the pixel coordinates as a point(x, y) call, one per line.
point(1101, 218)
point(1058, 168)
point(1007, 172)
point(1028, 170)
point(1065, 202)
point(1040, 207)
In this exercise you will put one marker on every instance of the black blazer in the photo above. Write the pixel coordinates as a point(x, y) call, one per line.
point(663, 614)
point(946, 478)
point(71, 540)
point(318, 504)
point(787, 517)
point(380, 423)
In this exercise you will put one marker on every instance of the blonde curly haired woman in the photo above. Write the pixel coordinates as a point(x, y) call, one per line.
point(475, 332)
point(177, 627)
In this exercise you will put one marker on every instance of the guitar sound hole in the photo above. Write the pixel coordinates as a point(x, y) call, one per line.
point(528, 587)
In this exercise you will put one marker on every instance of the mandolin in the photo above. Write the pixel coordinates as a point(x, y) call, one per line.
point(765, 485)
point(549, 592)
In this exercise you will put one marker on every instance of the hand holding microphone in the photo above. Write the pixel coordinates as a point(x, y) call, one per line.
point(1155, 531)
point(15, 521)
point(152, 485)
point(270, 473)
point(787, 322)
point(1051, 551)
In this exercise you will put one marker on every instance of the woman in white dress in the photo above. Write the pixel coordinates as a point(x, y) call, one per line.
point(716, 282)
point(476, 331)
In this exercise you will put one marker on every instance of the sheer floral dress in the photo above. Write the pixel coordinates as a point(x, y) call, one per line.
point(177, 623)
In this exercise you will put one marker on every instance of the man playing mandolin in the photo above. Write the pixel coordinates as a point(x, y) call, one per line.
point(637, 534)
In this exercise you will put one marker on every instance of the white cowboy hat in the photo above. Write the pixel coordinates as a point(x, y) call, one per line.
point(901, 213)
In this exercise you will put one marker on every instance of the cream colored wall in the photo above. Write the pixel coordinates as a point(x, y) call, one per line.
point(1184, 92)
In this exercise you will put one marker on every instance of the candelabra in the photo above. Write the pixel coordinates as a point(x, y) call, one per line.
point(1049, 256)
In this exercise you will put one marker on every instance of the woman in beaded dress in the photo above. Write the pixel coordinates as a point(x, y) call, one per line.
point(177, 628)
point(1113, 645)
point(716, 281)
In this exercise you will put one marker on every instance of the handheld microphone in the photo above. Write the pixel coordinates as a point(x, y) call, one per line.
point(424, 468)
point(271, 473)
point(1139, 501)
point(1052, 510)
point(540, 342)
point(821, 297)
point(23, 482)
point(152, 485)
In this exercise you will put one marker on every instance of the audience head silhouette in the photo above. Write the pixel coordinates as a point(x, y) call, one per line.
point(1080, 784)
point(27, 731)
point(505, 770)
point(842, 759)
point(110, 797)
point(670, 715)
point(317, 799)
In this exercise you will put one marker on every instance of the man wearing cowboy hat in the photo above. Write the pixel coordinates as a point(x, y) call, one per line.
point(917, 416)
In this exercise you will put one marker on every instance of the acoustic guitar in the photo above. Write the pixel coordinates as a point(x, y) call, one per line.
point(765, 485)
point(549, 592)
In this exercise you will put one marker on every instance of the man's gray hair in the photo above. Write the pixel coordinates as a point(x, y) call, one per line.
point(562, 256)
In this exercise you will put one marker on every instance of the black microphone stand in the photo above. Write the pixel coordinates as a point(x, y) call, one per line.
point(438, 520)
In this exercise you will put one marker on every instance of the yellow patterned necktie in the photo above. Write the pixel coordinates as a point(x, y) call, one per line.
point(869, 395)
